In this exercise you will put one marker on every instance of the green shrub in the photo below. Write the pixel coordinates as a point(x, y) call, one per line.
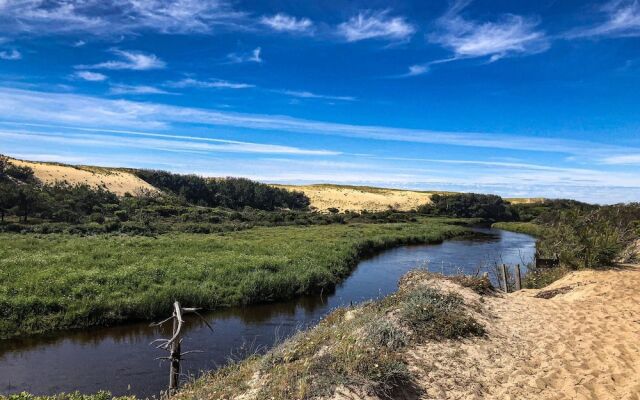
point(438, 315)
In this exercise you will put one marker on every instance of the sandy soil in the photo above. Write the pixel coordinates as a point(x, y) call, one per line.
point(360, 198)
point(118, 182)
point(582, 343)
point(355, 198)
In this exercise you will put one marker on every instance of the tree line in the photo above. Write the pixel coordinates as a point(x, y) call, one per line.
point(233, 193)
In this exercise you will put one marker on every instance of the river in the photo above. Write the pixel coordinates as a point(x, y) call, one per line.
point(121, 360)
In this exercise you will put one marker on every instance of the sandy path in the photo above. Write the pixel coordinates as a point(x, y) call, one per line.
point(581, 344)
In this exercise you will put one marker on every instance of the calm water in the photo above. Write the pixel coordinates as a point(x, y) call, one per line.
point(120, 359)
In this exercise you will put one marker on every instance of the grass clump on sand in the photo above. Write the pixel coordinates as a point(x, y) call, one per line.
point(435, 314)
point(64, 281)
point(358, 350)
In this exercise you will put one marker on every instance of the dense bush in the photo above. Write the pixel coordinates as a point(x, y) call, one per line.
point(468, 205)
point(527, 212)
point(586, 238)
point(235, 193)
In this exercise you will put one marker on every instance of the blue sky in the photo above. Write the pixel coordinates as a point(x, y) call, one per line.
point(518, 98)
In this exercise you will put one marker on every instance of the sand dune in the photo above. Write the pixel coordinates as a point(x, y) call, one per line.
point(581, 343)
point(118, 182)
point(359, 198)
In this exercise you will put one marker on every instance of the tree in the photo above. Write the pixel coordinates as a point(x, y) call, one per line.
point(7, 197)
point(28, 200)
point(468, 205)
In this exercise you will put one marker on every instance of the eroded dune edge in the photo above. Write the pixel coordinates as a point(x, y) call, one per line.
point(578, 338)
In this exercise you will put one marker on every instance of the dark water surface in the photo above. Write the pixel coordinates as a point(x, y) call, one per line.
point(120, 359)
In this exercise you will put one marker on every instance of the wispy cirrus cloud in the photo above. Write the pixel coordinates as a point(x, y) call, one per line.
point(375, 25)
point(87, 111)
point(286, 23)
point(254, 56)
point(207, 84)
point(155, 141)
point(621, 19)
point(106, 18)
point(129, 60)
point(90, 76)
point(136, 89)
point(509, 35)
point(303, 94)
point(626, 159)
point(10, 55)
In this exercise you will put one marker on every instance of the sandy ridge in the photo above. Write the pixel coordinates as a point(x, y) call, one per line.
point(583, 343)
point(118, 182)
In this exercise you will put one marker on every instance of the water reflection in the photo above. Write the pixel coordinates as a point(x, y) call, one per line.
point(120, 359)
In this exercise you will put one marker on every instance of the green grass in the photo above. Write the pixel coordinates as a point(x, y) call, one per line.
point(528, 228)
point(55, 281)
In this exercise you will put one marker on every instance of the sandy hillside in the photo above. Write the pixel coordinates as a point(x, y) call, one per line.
point(118, 182)
point(358, 198)
point(524, 200)
point(577, 339)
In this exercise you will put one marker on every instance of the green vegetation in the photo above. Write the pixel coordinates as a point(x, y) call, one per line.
point(188, 204)
point(358, 348)
point(592, 237)
point(528, 228)
point(469, 205)
point(234, 193)
point(580, 235)
point(67, 281)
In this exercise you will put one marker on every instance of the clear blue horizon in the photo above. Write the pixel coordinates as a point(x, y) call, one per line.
point(508, 97)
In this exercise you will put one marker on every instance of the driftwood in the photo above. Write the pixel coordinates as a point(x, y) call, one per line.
point(172, 345)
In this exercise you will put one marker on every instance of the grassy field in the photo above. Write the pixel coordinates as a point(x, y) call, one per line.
point(63, 281)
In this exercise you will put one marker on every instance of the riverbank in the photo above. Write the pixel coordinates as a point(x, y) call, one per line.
point(54, 282)
point(528, 228)
point(578, 338)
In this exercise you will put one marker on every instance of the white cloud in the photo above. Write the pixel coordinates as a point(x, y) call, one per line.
point(166, 142)
point(508, 36)
point(90, 76)
point(622, 19)
point(414, 70)
point(626, 159)
point(12, 55)
point(98, 17)
point(210, 84)
point(79, 43)
point(376, 25)
point(136, 89)
point(311, 95)
point(253, 56)
point(133, 60)
point(286, 23)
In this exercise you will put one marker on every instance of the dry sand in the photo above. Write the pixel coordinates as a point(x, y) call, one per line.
point(360, 198)
point(355, 198)
point(583, 343)
point(118, 182)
